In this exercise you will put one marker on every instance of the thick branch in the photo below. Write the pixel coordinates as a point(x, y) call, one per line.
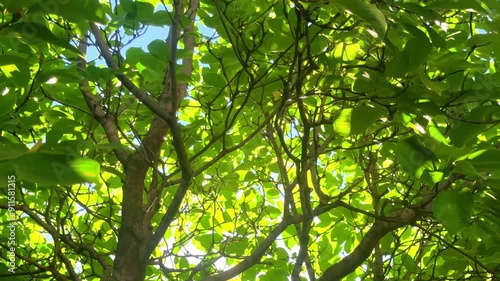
point(255, 257)
point(98, 113)
point(177, 92)
point(136, 91)
point(379, 229)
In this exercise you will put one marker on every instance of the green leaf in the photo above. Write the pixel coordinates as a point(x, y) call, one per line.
point(6, 171)
point(214, 79)
point(409, 263)
point(453, 209)
point(15, 5)
point(159, 18)
point(353, 121)
point(483, 39)
point(88, 169)
point(465, 132)
point(414, 54)
point(144, 11)
point(435, 132)
point(458, 5)
point(128, 5)
point(367, 12)
point(414, 157)
point(152, 63)
point(10, 150)
point(62, 75)
point(397, 66)
point(342, 124)
point(437, 86)
point(363, 117)
point(346, 52)
point(7, 102)
point(45, 168)
point(72, 10)
point(486, 161)
point(465, 167)
point(420, 10)
point(238, 247)
point(417, 49)
point(159, 49)
point(61, 127)
point(15, 68)
point(134, 54)
point(436, 39)
point(35, 33)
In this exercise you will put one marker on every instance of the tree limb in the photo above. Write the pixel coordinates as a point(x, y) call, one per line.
point(106, 120)
point(378, 230)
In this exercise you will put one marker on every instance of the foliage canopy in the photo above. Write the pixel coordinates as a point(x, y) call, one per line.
point(250, 140)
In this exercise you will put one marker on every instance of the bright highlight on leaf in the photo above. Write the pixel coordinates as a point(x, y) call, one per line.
point(342, 124)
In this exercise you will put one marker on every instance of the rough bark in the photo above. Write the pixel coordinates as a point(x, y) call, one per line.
point(136, 240)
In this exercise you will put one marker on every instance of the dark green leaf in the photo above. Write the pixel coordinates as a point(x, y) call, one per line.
point(213, 79)
point(437, 86)
point(144, 11)
point(413, 156)
point(453, 208)
point(367, 12)
point(363, 117)
point(466, 168)
point(7, 102)
point(47, 169)
point(16, 69)
point(466, 132)
point(35, 33)
point(10, 150)
point(72, 10)
point(486, 161)
point(417, 49)
point(437, 40)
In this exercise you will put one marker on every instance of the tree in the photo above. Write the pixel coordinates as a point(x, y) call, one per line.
point(250, 140)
